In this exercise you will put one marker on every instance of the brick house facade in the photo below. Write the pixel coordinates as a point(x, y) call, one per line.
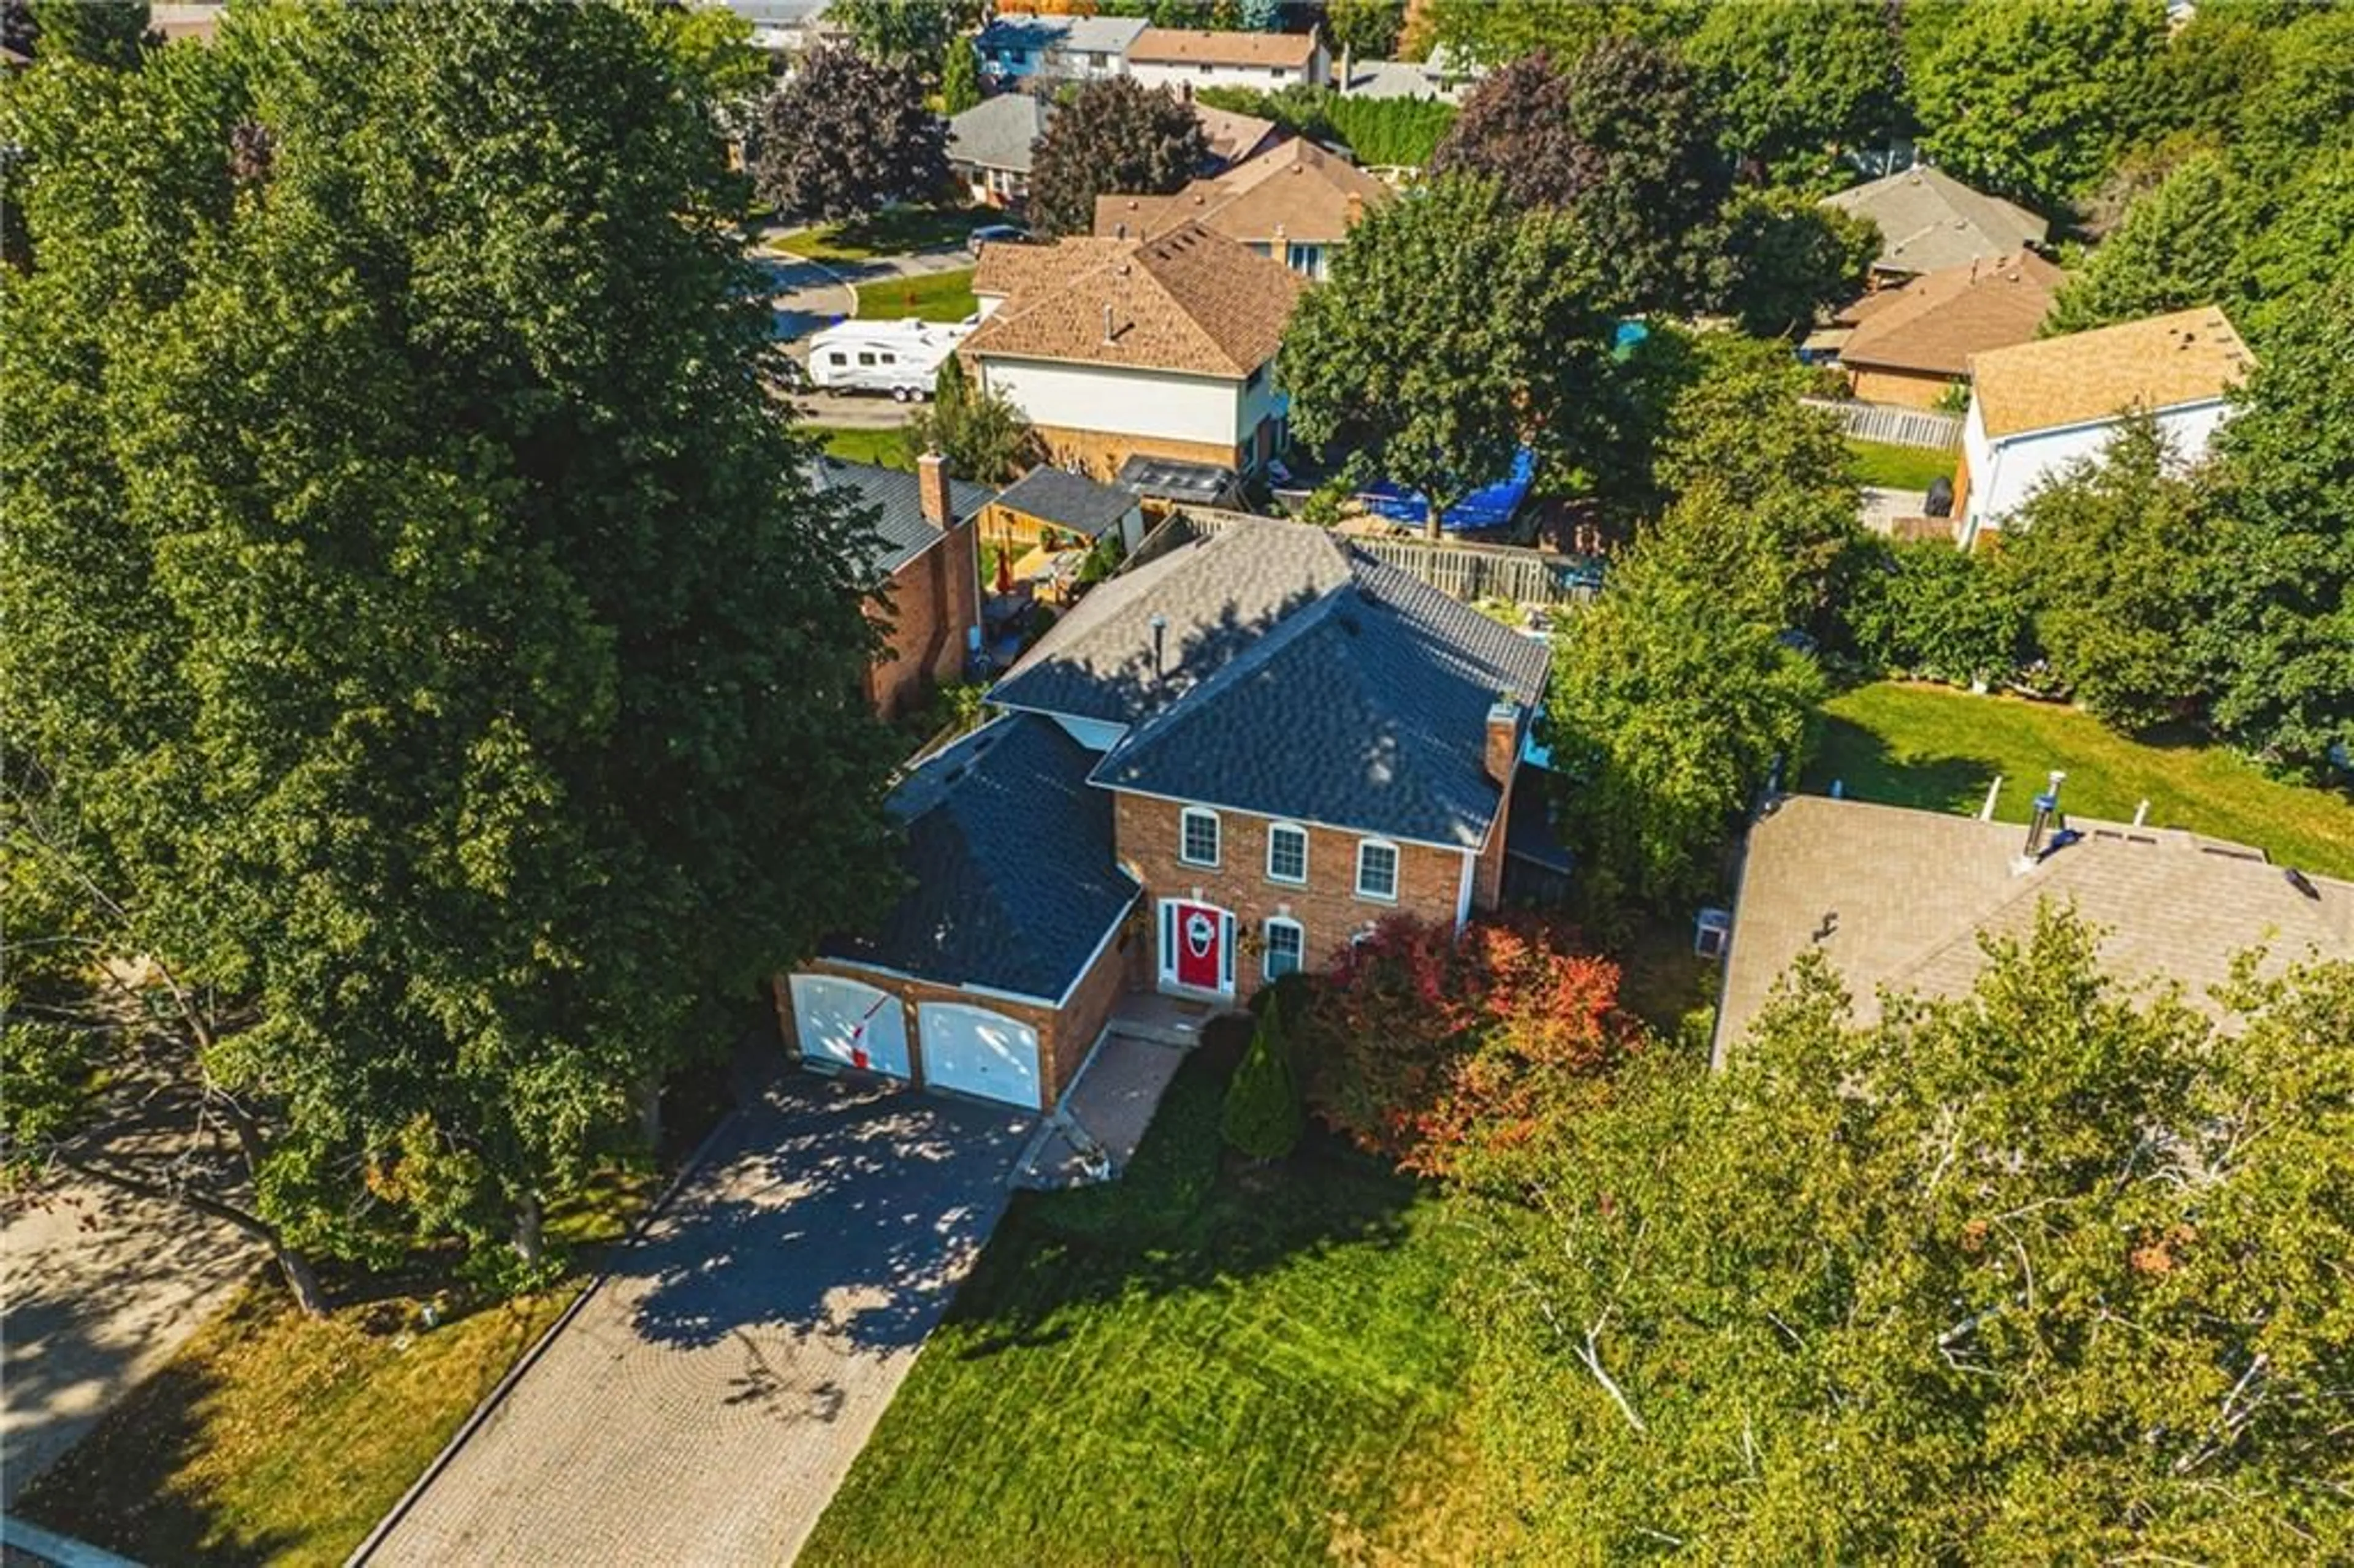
point(930, 570)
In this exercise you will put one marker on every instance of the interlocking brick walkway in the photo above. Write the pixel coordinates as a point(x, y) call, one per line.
point(704, 1404)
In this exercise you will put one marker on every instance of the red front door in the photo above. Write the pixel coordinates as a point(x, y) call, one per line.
point(1195, 944)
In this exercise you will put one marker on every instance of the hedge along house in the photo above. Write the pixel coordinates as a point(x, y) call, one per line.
point(1117, 348)
point(1225, 764)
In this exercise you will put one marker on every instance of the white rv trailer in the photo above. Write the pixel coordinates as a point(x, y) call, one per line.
point(897, 357)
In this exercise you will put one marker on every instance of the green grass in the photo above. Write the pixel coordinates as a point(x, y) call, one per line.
point(1190, 1364)
point(884, 448)
point(270, 1438)
point(1939, 748)
point(891, 233)
point(931, 297)
point(1900, 468)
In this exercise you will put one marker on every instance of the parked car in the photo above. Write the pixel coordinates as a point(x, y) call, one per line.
point(996, 234)
point(897, 357)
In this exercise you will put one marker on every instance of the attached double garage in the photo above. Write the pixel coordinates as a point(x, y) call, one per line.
point(999, 966)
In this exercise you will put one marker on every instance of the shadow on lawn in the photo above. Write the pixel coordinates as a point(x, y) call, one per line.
point(1862, 763)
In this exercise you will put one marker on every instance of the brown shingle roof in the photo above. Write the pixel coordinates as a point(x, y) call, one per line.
point(1936, 322)
point(1898, 897)
point(2156, 362)
point(1232, 135)
point(1296, 189)
point(1190, 45)
point(1188, 301)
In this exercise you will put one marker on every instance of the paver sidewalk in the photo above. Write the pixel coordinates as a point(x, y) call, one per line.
point(704, 1404)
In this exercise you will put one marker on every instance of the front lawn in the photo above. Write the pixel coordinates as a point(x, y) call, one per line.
point(892, 233)
point(1933, 747)
point(1192, 1364)
point(928, 297)
point(274, 1439)
point(1900, 468)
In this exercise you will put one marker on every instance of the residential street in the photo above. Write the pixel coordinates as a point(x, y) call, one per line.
point(706, 1401)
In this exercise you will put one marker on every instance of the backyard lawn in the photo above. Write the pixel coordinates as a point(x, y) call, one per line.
point(891, 233)
point(1187, 1365)
point(273, 1438)
point(884, 448)
point(1933, 747)
point(1900, 468)
point(929, 296)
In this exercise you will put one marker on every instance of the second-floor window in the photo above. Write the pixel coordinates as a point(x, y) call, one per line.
point(1377, 870)
point(1287, 853)
point(1197, 837)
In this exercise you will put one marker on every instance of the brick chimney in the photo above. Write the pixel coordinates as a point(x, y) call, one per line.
point(1503, 741)
point(932, 489)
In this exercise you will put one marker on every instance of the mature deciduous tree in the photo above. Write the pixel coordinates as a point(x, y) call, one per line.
point(984, 437)
point(2040, 1272)
point(2177, 246)
point(2035, 99)
point(1922, 607)
point(1452, 331)
point(1115, 134)
point(412, 590)
point(1495, 32)
point(1368, 29)
point(903, 32)
point(847, 135)
point(1795, 83)
point(1673, 699)
point(2112, 559)
point(2278, 637)
point(96, 32)
point(1621, 135)
point(1783, 258)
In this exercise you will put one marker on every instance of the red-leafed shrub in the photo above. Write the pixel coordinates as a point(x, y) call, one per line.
point(1430, 1047)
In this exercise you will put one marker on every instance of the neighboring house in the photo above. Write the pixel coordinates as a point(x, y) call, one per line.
point(789, 28)
point(1050, 501)
point(1117, 347)
point(990, 146)
point(1016, 47)
point(1223, 765)
point(1294, 204)
point(1234, 137)
point(1899, 897)
point(1912, 343)
point(1187, 56)
point(1440, 77)
point(930, 564)
point(1930, 221)
point(2037, 407)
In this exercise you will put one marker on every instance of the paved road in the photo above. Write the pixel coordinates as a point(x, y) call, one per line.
point(100, 1289)
point(709, 1397)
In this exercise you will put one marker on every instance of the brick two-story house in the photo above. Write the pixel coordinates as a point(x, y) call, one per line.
point(1226, 763)
point(929, 566)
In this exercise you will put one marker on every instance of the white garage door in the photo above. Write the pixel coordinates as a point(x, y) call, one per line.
point(856, 1025)
point(977, 1052)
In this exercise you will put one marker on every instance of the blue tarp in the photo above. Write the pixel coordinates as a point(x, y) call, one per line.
point(1490, 506)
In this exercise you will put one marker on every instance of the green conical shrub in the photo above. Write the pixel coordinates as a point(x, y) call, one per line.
point(1262, 1116)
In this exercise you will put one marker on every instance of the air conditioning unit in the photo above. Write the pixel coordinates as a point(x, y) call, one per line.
point(1713, 933)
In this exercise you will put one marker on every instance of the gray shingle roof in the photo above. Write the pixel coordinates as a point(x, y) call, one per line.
point(1068, 499)
point(1009, 861)
point(906, 533)
point(1899, 897)
point(1299, 678)
point(999, 133)
point(1929, 221)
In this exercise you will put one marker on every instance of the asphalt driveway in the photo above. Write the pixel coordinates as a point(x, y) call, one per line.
point(708, 1398)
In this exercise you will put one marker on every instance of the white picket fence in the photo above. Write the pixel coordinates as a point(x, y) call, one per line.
point(1896, 426)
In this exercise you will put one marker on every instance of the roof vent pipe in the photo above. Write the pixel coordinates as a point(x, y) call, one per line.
point(1107, 332)
point(1160, 632)
point(2047, 808)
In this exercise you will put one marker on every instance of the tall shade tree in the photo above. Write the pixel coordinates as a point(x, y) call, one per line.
point(1620, 135)
point(1673, 699)
point(1114, 135)
point(2035, 99)
point(2112, 559)
point(2177, 246)
point(412, 594)
point(96, 32)
point(902, 32)
point(1367, 30)
point(1782, 259)
point(2278, 638)
point(959, 77)
point(1453, 331)
point(2044, 1273)
point(848, 136)
point(1494, 32)
point(1796, 82)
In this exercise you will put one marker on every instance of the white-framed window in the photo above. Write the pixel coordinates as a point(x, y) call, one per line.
point(1285, 944)
point(1197, 836)
point(1287, 853)
point(1377, 870)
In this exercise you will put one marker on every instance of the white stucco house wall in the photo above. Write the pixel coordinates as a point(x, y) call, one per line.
point(2036, 409)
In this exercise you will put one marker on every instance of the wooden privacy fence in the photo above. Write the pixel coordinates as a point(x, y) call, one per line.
point(1468, 572)
point(1897, 427)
